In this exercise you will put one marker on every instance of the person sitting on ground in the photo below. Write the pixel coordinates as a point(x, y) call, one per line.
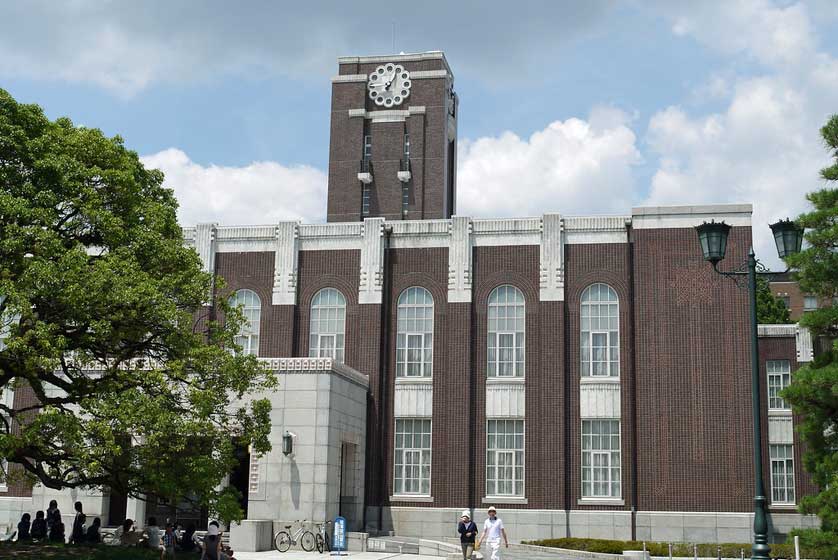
point(39, 526)
point(187, 544)
point(77, 535)
point(23, 528)
point(126, 535)
point(92, 535)
point(53, 517)
point(151, 534)
point(56, 534)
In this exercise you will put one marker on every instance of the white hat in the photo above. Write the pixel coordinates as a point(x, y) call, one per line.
point(212, 530)
point(491, 508)
point(466, 513)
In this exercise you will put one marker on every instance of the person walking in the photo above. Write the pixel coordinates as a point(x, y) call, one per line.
point(468, 532)
point(493, 530)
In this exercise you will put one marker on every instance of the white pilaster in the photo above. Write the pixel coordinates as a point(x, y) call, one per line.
point(459, 260)
point(205, 245)
point(803, 339)
point(372, 261)
point(285, 264)
point(552, 258)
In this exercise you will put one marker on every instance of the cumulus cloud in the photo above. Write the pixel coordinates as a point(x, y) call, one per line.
point(128, 46)
point(764, 146)
point(259, 193)
point(571, 166)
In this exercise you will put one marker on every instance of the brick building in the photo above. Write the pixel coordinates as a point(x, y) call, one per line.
point(587, 375)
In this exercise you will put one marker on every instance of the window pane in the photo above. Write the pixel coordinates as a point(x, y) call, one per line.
point(599, 331)
point(601, 458)
point(414, 341)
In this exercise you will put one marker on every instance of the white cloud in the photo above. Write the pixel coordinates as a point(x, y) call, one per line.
point(259, 193)
point(571, 166)
point(764, 147)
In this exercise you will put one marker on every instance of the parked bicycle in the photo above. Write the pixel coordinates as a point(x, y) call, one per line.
point(322, 537)
point(284, 540)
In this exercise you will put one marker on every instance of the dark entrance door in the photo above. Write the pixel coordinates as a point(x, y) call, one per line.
point(117, 506)
point(240, 477)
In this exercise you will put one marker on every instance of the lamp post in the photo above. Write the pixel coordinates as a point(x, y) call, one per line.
point(713, 239)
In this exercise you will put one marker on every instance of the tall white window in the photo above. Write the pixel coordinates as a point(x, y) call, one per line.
point(505, 458)
point(251, 306)
point(810, 303)
point(412, 474)
point(506, 345)
point(782, 473)
point(328, 324)
point(779, 377)
point(601, 459)
point(415, 337)
point(600, 338)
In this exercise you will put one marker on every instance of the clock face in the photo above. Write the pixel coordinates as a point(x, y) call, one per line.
point(389, 85)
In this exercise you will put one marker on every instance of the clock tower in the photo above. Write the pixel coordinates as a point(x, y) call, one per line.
point(393, 138)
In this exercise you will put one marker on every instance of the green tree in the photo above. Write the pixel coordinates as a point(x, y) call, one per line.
point(770, 309)
point(126, 372)
point(813, 392)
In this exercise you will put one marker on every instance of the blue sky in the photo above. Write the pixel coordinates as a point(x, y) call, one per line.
point(586, 107)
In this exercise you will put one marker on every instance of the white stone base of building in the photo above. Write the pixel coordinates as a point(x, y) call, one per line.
point(536, 524)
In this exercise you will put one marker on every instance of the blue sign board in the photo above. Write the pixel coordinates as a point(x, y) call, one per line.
point(339, 535)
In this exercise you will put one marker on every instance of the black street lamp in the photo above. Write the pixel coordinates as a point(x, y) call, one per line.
point(788, 238)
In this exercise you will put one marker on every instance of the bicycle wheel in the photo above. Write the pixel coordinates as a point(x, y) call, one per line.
point(282, 541)
point(307, 541)
point(318, 540)
point(326, 542)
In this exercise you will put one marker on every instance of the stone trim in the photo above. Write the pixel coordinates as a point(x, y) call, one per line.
point(315, 365)
point(459, 260)
point(345, 78)
point(803, 341)
point(599, 400)
point(505, 400)
point(662, 217)
point(777, 330)
point(517, 500)
point(551, 257)
point(780, 429)
point(387, 115)
point(413, 400)
point(411, 498)
point(601, 502)
point(285, 264)
point(372, 262)
point(596, 229)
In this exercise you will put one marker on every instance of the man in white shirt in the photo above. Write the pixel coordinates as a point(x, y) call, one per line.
point(493, 530)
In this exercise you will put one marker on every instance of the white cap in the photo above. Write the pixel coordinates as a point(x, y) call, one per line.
point(466, 513)
point(491, 508)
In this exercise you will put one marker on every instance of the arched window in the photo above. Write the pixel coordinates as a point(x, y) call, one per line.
point(251, 306)
point(328, 324)
point(506, 332)
point(600, 331)
point(415, 339)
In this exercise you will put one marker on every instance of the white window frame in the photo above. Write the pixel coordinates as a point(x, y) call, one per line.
point(517, 454)
point(424, 454)
point(332, 302)
point(498, 311)
point(407, 328)
point(606, 459)
point(588, 306)
point(778, 373)
point(807, 300)
point(248, 336)
point(782, 474)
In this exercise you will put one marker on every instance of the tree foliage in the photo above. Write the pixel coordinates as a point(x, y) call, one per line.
point(123, 373)
point(770, 309)
point(814, 389)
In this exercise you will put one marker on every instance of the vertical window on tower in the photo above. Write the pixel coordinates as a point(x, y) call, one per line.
point(365, 168)
point(367, 147)
point(505, 458)
point(601, 458)
point(412, 473)
point(405, 166)
point(779, 377)
point(782, 473)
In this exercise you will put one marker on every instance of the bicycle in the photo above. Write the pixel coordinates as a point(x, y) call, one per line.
point(283, 540)
point(322, 537)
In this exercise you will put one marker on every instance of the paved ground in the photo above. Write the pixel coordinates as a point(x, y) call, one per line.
point(299, 555)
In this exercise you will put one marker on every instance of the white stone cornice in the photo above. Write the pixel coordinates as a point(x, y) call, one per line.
point(286, 253)
point(660, 217)
point(205, 240)
point(409, 234)
point(243, 239)
point(314, 365)
point(331, 236)
point(387, 115)
point(596, 229)
point(459, 260)
point(506, 231)
point(372, 262)
point(551, 257)
point(347, 78)
point(777, 330)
